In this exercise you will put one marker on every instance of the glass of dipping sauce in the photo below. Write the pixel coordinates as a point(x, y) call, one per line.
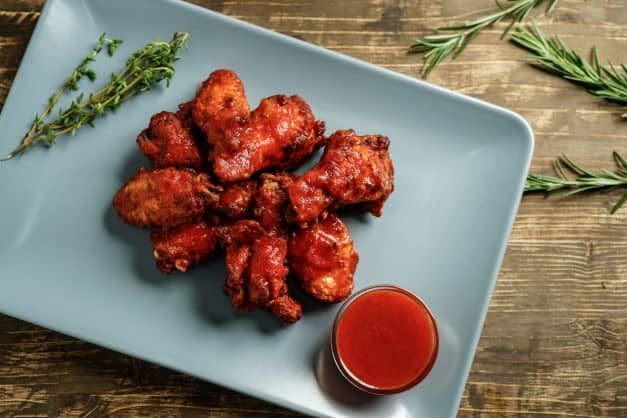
point(384, 340)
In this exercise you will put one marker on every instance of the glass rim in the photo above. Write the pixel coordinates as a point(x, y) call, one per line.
point(354, 380)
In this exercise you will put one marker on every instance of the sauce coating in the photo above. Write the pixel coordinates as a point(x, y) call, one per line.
point(387, 340)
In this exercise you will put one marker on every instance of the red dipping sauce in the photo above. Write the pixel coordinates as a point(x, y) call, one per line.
point(384, 340)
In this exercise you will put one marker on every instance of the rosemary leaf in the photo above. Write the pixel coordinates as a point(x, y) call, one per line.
point(437, 47)
point(619, 204)
point(584, 180)
point(551, 53)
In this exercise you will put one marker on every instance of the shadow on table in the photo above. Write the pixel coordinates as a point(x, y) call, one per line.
point(335, 388)
point(333, 384)
point(138, 241)
point(215, 307)
point(208, 300)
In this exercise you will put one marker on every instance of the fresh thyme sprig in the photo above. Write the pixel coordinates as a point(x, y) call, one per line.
point(145, 68)
point(71, 84)
point(605, 82)
point(437, 47)
point(585, 180)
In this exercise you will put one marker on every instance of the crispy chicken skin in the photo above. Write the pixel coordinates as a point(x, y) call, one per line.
point(285, 308)
point(238, 233)
point(165, 197)
point(168, 142)
point(257, 271)
point(280, 134)
point(323, 258)
point(237, 257)
point(267, 269)
point(236, 199)
point(184, 113)
point(237, 238)
point(220, 99)
point(184, 246)
point(353, 170)
point(271, 201)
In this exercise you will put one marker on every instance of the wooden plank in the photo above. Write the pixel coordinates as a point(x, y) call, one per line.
point(554, 343)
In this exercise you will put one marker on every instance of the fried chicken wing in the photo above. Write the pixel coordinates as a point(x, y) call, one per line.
point(257, 271)
point(353, 170)
point(239, 233)
point(236, 199)
point(271, 201)
point(238, 239)
point(220, 99)
point(168, 142)
point(165, 197)
point(323, 258)
point(235, 285)
point(286, 309)
point(266, 269)
point(184, 113)
point(268, 221)
point(182, 247)
point(280, 133)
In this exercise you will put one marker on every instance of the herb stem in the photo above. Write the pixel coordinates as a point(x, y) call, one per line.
point(71, 83)
point(585, 180)
point(437, 47)
point(144, 69)
point(552, 54)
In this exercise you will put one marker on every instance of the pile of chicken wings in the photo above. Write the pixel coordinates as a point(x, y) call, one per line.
point(221, 182)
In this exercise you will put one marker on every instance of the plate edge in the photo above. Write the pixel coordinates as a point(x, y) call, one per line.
point(362, 64)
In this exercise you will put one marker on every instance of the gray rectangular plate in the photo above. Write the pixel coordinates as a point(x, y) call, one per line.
point(67, 262)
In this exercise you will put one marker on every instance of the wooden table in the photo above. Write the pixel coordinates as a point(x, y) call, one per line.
point(555, 340)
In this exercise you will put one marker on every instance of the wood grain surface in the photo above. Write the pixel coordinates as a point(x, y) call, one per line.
point(555, 339)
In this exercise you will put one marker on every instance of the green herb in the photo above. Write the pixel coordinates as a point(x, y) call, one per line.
point(437, 47)
point(113, 46)
point(71, 84)
point(606, 82)
point(584, 181)
point(145, 68)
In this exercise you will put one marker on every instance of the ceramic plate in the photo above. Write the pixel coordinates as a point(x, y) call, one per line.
point(69, 264)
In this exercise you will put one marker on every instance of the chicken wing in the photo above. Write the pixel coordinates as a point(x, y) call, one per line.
point(236, 199)
point(168, 142)
point(184, 113)
point(257, 272)
point(239, 233)
point(266, 269)
point(165, 197)
point(184, 246)
point(353, 170)
point(220, 99)
point(280, 133)
point(237, 238)
point(235, 284)
point(271, 201)
point(285, 308)
point(323, 259)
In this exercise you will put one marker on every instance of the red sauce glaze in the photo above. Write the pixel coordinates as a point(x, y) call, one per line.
point(386, 339)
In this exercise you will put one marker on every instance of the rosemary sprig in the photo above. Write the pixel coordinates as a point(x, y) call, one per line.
point(585, 180)
point(145, 68)
point(437, 47)
point(606, 82)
